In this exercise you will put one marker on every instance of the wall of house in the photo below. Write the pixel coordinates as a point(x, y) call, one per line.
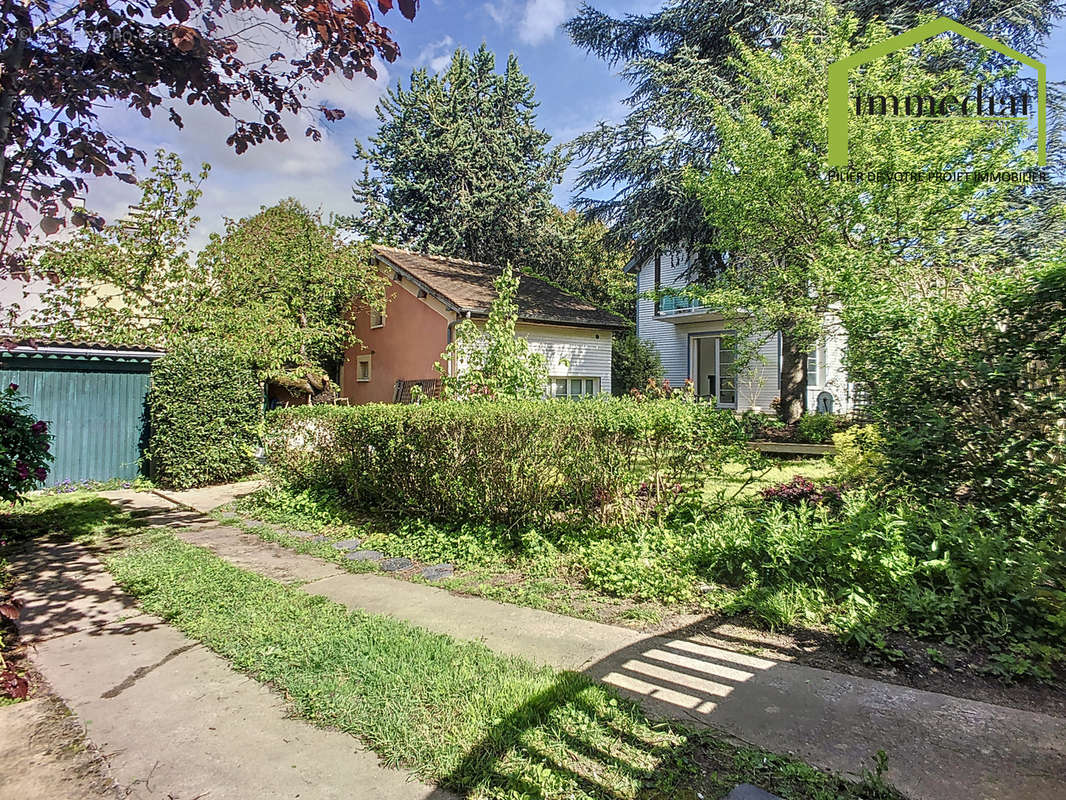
point(760, 384)
point(412, 339)
point(572, 352)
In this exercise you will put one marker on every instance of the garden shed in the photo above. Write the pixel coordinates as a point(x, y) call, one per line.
point(93, 398)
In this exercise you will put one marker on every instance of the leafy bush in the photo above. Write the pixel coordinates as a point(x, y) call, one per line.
point(206, 408)
point(801, 490)
point(859, 457)
point(969, 387)
point(509, 461)
point(817, 428)
point(756, 423)
point(634, 362)
point(24, 444)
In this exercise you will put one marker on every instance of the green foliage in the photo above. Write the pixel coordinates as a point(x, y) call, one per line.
point(24, 444)
point(683, 48)
point(284, 284)
point(859, 456)
point(490, 361)
point(510, 462)
point(634, 362)
point(131, 282)
point(756, 423)
point(801, 243)
point(205, 405)
point(968, 383)
point(818, 428)
point(579, 255)
point(458, 165)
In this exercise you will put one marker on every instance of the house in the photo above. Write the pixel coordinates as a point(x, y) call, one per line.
point(428, 295)
point(697, 343)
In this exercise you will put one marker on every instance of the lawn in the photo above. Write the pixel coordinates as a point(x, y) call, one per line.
point(452, 712)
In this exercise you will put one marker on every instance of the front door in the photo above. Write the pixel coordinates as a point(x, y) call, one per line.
point(711, 366)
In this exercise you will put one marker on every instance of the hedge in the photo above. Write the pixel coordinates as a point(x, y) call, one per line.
point(509, 462)
point(205, 406)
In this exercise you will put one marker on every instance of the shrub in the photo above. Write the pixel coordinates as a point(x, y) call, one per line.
point(24, 444)
point(817, 428)
point(634, 362)
point(508, 461)
point(205, 405)
point(756, 424)
point(969, 387)
point(859, 457)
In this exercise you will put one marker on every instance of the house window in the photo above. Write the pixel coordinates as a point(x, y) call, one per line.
point(816, 367)
point(377, 319)
point(362, 369)
point(575, 388)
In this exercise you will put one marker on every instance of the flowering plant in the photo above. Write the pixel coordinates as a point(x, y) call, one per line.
point(24, 445)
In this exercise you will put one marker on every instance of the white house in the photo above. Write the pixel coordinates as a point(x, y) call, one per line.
point(698, 343)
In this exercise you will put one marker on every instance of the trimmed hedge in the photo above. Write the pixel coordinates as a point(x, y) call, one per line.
point(509, 462)
point(205, 404)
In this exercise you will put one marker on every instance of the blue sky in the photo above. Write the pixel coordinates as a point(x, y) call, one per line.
point(575, 91)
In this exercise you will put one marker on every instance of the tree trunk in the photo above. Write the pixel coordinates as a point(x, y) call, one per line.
point(793, 379)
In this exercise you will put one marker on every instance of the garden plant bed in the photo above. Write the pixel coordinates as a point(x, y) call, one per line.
point(556, 584)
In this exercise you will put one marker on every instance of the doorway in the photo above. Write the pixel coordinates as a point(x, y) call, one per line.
point(711, 366)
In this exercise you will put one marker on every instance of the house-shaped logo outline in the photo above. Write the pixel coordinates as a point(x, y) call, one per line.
point(840, 70)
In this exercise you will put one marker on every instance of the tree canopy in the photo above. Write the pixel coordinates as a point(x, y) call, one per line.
point(458, 165)
point(276, 286)
point(250, 61)
point(671, 55)
point(803, 241)
point(283, 284)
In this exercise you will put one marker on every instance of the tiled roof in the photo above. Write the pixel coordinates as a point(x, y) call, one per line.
point(467, 286)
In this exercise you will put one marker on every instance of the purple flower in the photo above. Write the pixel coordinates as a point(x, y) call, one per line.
point(41, 473)
point(40, 426)
point(12, 387)
point(22, 470)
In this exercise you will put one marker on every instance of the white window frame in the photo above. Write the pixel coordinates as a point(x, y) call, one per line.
point(359, 362)
point(567, 382)
point(693, 358)
point(819, 372)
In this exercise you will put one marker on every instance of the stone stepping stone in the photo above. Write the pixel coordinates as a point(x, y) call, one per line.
point(365, 555)
point(320, 538)
point(438, 572)
point(395, 564)
point(300, 534)
point(347, 544)
point(256, 523)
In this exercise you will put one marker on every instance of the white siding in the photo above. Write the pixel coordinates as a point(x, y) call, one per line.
point(578, 352)
point(759, 385)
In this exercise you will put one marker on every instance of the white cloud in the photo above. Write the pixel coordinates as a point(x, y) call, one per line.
point(436, 55)
point(541, 20)
point(319, 174)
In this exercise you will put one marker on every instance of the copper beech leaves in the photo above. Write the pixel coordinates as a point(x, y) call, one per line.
point(171, 52)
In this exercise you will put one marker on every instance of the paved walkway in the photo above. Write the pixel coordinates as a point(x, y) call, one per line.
point(173, 720)
point(938, 746)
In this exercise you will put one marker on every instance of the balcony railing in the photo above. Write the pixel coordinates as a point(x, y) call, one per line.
point(673, 304)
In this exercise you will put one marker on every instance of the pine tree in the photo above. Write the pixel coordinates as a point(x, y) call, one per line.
point(458, 165)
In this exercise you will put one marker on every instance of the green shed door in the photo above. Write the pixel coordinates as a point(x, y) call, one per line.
point(95, 410)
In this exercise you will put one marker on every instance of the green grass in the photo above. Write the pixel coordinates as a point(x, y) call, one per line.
point(454, 712)
point(734, 480)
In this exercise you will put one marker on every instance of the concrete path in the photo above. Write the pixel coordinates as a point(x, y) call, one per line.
point(174, 721)
point(938, 746)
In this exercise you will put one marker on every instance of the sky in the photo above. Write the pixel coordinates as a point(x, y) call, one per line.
point(575, 91)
